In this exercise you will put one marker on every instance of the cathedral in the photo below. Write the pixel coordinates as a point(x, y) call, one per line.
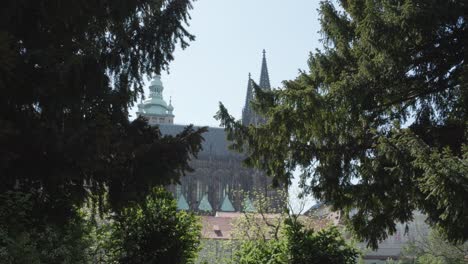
point(219, 182)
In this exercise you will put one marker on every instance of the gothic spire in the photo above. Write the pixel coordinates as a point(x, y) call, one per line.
point(264, 78)
point(249, 95)
point(248, 115)
point(246, 112)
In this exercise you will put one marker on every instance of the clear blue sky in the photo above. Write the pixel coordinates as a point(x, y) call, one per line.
point(230, 36)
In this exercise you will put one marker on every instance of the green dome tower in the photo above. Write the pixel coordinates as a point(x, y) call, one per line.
point(155, 109)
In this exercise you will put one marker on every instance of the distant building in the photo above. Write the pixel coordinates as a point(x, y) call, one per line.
point(219, 180)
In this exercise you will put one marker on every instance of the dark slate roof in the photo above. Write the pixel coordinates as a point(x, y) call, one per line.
point(214, 145)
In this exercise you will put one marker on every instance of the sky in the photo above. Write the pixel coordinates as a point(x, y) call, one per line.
point(230, 36)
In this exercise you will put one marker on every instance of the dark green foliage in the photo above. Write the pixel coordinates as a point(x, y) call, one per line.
point(26, 236)
point(298, 245)
point(284, 238)
point(379, 123)
point(325, 246)
point(261, 251)
point(155, 232)
point(434, 249)
point(152, 232)
point(69, 71)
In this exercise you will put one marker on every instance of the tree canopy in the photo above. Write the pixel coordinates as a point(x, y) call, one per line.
point(69, 72)
point(155, 232)
point(378, 125)
point(287, 238)
point(26, 235)
point(434, 249)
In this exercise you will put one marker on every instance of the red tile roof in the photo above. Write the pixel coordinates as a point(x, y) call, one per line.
point(218, 227)
point(222, 224)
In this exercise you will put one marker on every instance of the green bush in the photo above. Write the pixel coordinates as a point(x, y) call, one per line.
point(155, 232)
point(297, 245)
point(325, 246)
point(26, 236)
point(261, 251)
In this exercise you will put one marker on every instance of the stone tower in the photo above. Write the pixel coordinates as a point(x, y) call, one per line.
point(249, 117)
point(155, 109)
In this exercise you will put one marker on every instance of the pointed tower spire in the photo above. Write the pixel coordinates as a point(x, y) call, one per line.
point(248, 115)
point(205, 204)
point(227, 205)
point(248, 206)
point(249, 95)
point(264, 77)
point(182, 203)
point(247, 110)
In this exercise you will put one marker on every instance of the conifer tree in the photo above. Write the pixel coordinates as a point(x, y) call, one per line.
point(69, 72)
point(379, 122)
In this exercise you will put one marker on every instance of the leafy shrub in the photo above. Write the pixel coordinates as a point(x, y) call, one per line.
point(155, 232)
point(28, 237)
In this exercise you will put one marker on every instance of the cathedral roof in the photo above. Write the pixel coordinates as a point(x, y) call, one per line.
point(215, 143)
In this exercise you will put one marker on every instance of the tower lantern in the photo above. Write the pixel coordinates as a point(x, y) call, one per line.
point(155, 109)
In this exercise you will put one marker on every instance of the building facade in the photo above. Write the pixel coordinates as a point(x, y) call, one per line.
point(219, 181)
